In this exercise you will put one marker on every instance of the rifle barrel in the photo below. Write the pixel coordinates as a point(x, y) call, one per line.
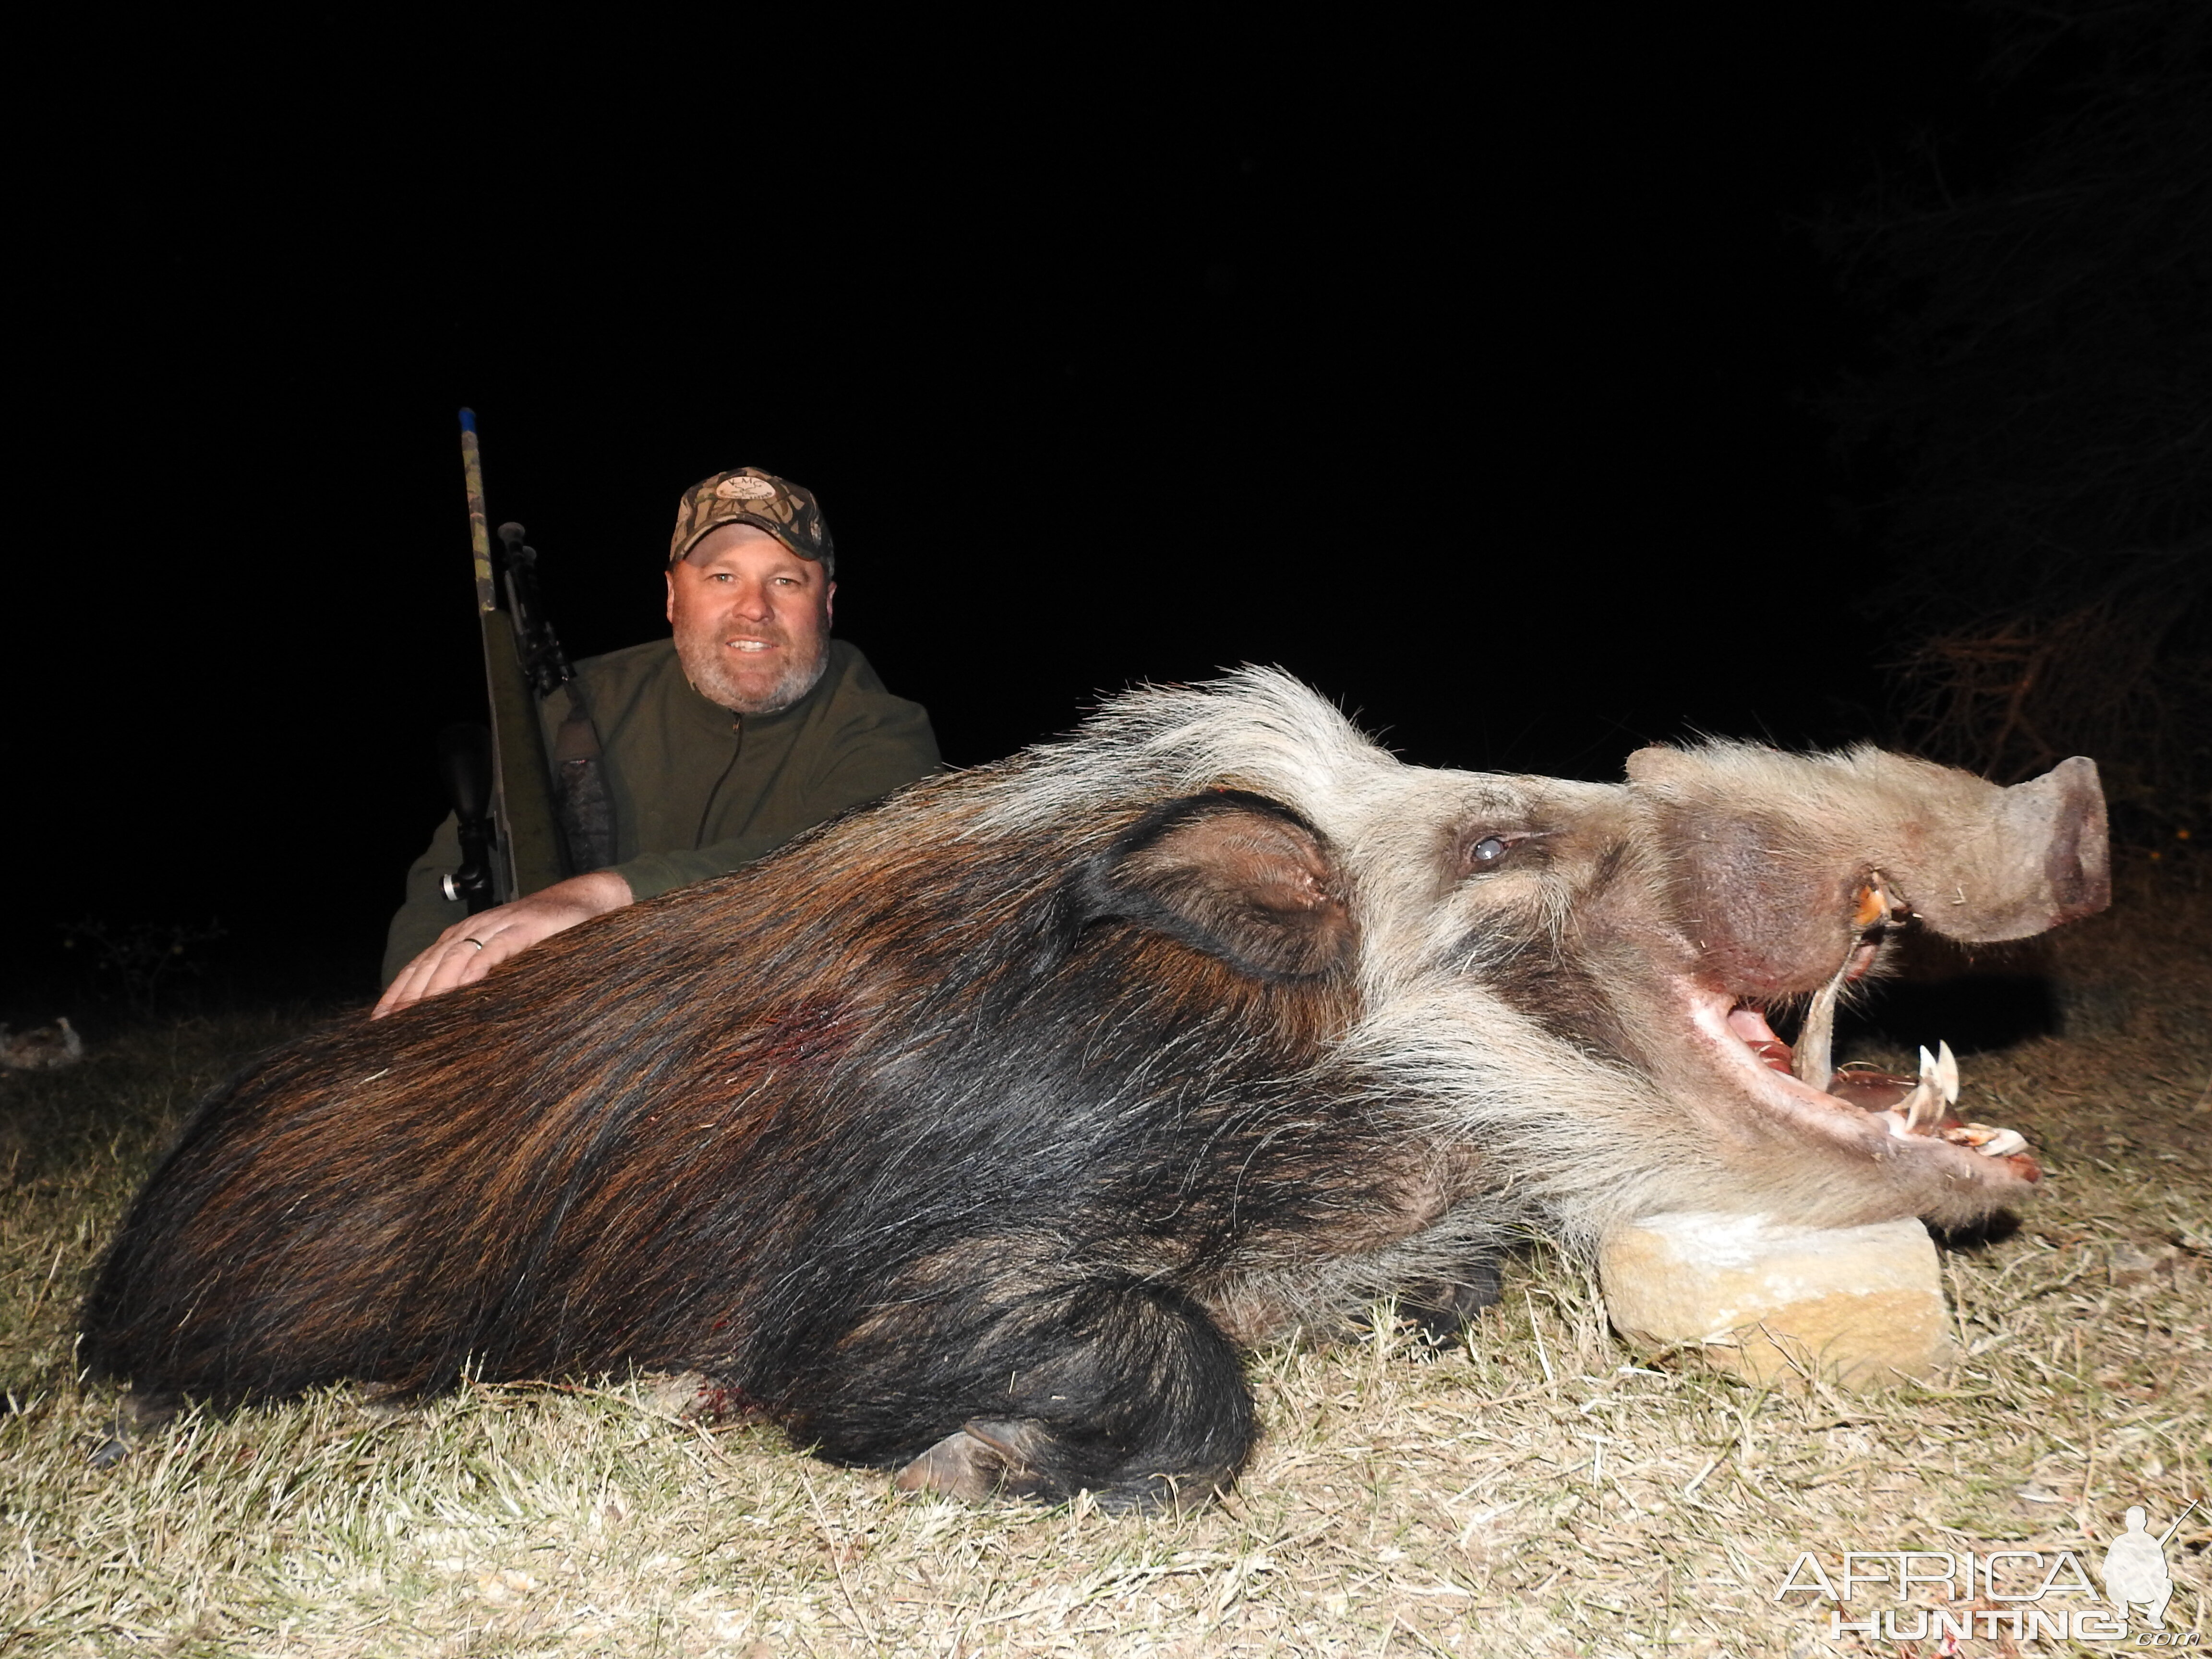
point(479, 530)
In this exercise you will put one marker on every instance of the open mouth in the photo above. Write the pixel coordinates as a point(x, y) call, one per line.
point(1861, 1105)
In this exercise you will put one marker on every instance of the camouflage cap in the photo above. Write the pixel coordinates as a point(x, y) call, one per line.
point(747, 495)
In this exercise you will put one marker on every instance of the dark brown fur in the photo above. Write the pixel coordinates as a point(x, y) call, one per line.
point(972, 1134)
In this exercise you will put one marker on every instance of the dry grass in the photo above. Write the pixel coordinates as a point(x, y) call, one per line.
point(1536, 1491)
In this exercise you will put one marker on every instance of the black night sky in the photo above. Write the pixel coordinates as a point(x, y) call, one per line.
point(1463, 370)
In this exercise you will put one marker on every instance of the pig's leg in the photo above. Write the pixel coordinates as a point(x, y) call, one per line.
point(1118, 1387)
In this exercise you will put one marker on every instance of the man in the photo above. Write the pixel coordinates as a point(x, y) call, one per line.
point(716, 746)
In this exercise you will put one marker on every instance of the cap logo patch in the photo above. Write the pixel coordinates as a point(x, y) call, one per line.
point(745, 489)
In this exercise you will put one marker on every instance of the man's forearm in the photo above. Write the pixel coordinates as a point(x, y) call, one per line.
point(470, 948)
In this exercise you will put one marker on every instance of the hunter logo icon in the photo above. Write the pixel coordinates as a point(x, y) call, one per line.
point(745, 489)
point(2135, 1568)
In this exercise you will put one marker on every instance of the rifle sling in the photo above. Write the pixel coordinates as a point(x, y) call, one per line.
point(580, 790)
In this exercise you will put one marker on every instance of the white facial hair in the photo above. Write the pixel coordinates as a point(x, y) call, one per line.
point(708, 672)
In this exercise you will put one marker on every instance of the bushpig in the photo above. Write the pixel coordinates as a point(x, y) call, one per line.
point(975, 1135)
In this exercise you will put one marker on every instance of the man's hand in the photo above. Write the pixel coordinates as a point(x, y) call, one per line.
point(467, 951)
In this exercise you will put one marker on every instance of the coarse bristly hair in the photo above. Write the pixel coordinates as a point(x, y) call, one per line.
point(973, 1133)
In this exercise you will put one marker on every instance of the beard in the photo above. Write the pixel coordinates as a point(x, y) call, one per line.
point(715, 676)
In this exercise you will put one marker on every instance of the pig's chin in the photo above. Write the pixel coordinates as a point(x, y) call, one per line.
point(1877, 1116)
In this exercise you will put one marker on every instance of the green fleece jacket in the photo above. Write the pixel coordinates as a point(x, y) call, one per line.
point(697, 790)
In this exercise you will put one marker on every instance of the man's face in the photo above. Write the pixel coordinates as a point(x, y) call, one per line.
point(751, 619)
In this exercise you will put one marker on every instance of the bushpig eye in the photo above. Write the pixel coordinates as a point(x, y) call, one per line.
point(1487, 850)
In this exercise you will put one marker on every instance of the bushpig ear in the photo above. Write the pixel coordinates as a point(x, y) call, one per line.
point(1234, 874)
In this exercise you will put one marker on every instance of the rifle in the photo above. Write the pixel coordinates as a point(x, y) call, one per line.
point(501, 786)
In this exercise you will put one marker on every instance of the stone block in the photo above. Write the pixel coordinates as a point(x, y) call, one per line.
point(1771, 1301)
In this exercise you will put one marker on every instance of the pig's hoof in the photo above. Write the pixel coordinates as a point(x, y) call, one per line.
point(144, 1410)
point(113, 1448)
point(1443, 1309)
point(982, 1459)
point(138, 1412)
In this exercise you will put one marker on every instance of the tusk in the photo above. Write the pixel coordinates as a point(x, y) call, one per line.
point(1920, 1109)
point(1946, 1073)
point(1916, 1112)
point(1924, 1105)
point(1811, 1062)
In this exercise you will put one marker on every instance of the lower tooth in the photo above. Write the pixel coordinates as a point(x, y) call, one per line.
point(1919, 1107)
point(2001, 1143)
point(1946, 1074)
